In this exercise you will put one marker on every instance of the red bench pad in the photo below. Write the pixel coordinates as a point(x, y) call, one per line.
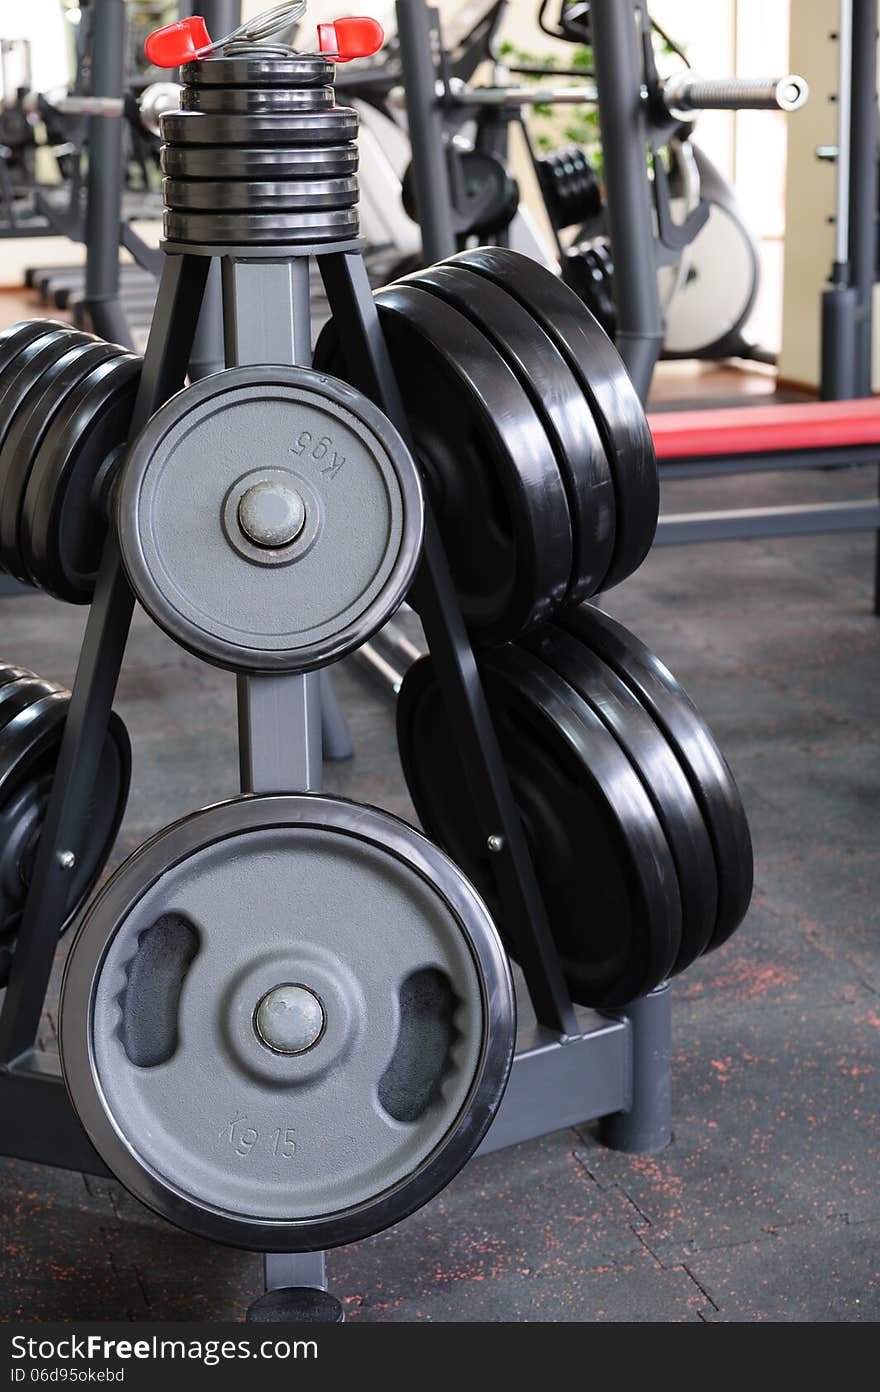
point(764, 429)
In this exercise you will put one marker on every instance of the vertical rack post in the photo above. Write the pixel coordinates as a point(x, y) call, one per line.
point(617, 58)
point(267, 319)
point(424, 118)
point(106, 177)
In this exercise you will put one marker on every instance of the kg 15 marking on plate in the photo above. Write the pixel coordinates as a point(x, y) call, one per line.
point(307, 447)
point(245, 1138)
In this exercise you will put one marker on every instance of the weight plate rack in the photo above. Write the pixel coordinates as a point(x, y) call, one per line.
point(168, 915)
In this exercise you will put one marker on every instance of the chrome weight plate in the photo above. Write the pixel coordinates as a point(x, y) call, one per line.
point(275, 228)
point(32, 420)
point(561, 405)
point(602, 861)
point(255, 195)
point(243, 162)
point(299, 70)
point(62, 530)
point(703, 763)
point(31, 726)
point(332, 127)
point(257, 101)
point(655, 762)
point(603, 377)
point(286, 1022)
point(270, 518)
point(489, 468)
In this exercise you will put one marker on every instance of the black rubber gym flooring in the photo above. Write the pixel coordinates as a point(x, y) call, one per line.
point(767, 1204)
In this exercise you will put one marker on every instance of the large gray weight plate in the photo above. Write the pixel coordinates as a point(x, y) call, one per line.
point(332, 127)
point(286, 1022)
point(270, 518)
point(255, 195)
point(256, 101)
point(242, 229)
point(259, 162)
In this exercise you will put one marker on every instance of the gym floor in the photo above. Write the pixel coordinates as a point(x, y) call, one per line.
point(766, 1206)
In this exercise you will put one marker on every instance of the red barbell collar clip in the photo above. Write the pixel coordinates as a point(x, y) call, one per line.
point(356, 36)
point(178, 43)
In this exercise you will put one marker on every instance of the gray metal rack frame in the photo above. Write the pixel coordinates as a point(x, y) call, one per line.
point(571, 1065)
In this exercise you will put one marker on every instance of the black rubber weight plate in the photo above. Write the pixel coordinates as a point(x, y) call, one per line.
point(562, 407)
point(10, 674)
point(17, 337)
point(494, 483)
point(309, 70)
point(21, 692)
point(663, 778)
point(331, 127)
point(26, 369)
point(242, 162)
point(594, 360)
point(282, 229)
point(29, 745)
point(256, 101)
point(602, 862)
point(704, 764)
point(254, 195)
point(216, 1125)
point(32, 420)
point(62, 532)
point(280, 434)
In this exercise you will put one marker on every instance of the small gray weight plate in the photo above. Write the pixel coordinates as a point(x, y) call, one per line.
point(266, 162)
point(332, 127)
point(329, 493)
point(300, 70)
point(286, 1022)
point(254, 195)
point(240, 229)
point(256, 100)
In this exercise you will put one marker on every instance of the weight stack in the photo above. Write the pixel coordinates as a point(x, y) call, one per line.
point(259, 153)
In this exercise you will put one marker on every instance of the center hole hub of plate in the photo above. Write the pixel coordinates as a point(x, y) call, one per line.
point(271, 513)
point(289, 1019)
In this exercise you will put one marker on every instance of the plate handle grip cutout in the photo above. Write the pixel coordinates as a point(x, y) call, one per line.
point(425, 1038)
point(156, 973)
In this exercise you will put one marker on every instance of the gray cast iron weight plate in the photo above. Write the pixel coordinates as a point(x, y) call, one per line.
point(286, 1022)
point(274, 228)
point(257, 195)
point(253, 70)
point(331, 127)
point(270, 518)
point(256, 101)
point(243, 162)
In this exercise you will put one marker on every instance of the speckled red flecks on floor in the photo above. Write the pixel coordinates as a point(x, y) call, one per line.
point(767, 1204)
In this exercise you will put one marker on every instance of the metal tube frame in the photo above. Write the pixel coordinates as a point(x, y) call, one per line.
point(105, 177)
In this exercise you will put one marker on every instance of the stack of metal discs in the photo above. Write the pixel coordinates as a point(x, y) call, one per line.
point(259, 153)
